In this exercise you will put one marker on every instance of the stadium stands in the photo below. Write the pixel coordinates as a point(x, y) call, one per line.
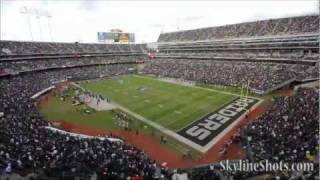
point(49, 63)
point(261, 76)
point(273, 27)
point(291, 48)
point(29, 56)
point(291, 126)
point(267, 55)
point(27, 146)
point(17, 48)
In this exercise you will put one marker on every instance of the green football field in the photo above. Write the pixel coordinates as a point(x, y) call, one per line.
point(171, 105)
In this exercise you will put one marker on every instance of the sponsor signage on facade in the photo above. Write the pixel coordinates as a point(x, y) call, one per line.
point(116, 37)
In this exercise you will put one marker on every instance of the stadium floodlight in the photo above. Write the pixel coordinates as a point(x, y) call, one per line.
point(38, 13)
point(24, 10)
point(48, 16)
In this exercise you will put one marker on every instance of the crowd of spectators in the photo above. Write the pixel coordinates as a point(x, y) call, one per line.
point(26, 146)
point(24, 48)
point(28, 65)
point(293, 47)
point(290, 125)
point(291, 25)
point(260, 76)
point(250, 55)
point(287, 132)
point(264, 53)
point(216, 172)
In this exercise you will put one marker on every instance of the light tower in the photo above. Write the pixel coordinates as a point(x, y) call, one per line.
point(38, 13)
point(25, 10)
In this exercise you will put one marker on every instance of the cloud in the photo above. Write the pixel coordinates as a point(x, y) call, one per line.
point(157, 25)
point(81, 20)
point(88, 5)
point(191, 19)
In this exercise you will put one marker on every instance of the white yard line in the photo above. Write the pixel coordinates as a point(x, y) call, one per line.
point(203, 88)
point(224, 104)
point(162, 129)
point(172, 122)
point(177, 112)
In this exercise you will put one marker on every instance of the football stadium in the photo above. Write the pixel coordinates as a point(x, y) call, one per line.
point(231, 101)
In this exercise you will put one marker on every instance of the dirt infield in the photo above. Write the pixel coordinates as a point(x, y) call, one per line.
point(286, 92)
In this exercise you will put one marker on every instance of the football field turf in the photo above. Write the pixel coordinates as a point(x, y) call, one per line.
point(170, 105)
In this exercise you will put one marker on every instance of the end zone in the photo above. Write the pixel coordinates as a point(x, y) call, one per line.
point(208, 130)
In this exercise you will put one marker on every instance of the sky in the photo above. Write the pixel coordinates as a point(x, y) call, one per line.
point(80, 20)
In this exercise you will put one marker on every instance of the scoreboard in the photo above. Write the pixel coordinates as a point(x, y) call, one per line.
point(116, 37)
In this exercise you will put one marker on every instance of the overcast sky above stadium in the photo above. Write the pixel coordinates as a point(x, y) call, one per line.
point(72, 21)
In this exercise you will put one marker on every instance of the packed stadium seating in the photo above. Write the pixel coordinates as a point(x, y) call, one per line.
point(29, 65)
point(29, 56)
point(273, 27)
point(11, 48)
point(290, 125)
point(261, 76)
point(265, 54)
point(26, 145)
point(293, 47)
